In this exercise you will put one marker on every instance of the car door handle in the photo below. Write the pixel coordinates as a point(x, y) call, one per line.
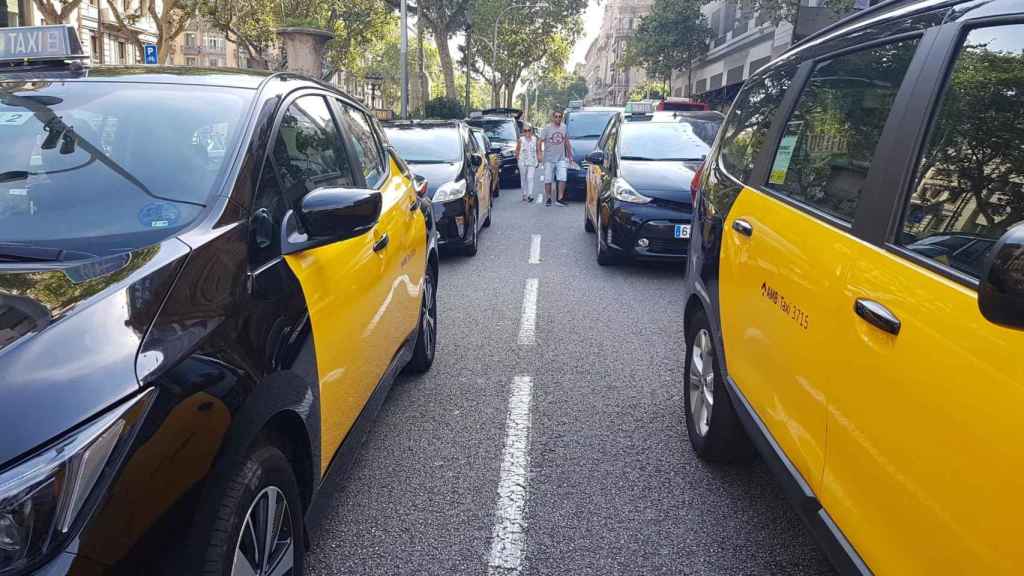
point(877, 315)
point(381, 243)
point(743, 227)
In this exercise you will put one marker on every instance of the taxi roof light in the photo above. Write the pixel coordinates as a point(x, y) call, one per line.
point(28, 45)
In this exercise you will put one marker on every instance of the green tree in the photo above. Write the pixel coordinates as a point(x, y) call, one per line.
point(554, 92)
point(248, 23)
point(445, 108)
point(444, 18)
point(674, 35)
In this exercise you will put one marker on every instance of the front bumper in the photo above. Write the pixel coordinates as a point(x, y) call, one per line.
point(451, 221)
point(628, 223)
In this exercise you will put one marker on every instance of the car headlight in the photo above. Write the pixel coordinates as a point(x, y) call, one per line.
point(623, 192)
point(41, 498)
point(450, 191)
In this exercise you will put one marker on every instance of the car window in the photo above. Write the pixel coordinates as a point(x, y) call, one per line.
point(748, 123)
point(587, 125)
point(417, 145)
point(105, 167)
point(367, 149)
point(829, 141)
point(970, 180)
point(308, 153)
point(498, 130)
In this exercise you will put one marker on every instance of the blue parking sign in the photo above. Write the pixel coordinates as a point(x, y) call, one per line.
point(151, 53)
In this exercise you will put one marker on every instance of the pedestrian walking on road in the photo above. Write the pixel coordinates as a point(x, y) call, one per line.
point(526, 155)
point(556, 150)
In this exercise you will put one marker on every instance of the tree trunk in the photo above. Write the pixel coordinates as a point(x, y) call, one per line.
point(441, 40)
point(424, 85)
point(689, 80)
point(47, 11)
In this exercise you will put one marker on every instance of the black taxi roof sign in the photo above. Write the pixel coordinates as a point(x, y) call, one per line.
point(29, 44)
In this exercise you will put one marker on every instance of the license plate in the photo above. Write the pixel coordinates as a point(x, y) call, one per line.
point(682, 231)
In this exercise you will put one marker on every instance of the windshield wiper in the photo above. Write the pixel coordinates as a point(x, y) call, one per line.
point(12, 175)
point(430, 162)
point(26, 253)
point(585, 137)
point(641, 158)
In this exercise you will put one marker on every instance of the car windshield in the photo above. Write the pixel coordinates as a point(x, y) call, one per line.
point(498, 130)
point(587, 125)
point(417, 145)
point(661, 141)
point(100, 168)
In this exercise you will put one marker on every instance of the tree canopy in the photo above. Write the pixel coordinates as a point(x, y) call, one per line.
point(673, 36)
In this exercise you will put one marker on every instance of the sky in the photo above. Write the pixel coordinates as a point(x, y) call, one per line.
point(591, 26)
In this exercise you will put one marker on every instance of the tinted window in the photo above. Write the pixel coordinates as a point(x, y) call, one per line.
point(108, 167)
point(426, 145)
point(587, 124)
point(479, 137)
point(497, 130)
point(366, 147)
point(748, 123)
point(970, 183)
point(826, 149)
point(661, 141)
point(308, 151)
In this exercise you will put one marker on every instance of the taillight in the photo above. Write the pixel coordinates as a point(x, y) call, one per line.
point(695, 184)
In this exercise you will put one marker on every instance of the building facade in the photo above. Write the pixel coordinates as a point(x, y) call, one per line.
point(205, 46)
point(608, 81)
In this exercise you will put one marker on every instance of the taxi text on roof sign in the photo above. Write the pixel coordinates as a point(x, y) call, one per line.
point(39, 43)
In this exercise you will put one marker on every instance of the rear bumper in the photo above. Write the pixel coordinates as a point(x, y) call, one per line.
point(629, 223)
point(576, 183)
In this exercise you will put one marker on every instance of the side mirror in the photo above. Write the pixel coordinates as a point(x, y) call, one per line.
point(476, 160)
point(331, 215)
point(421, 185)
point(1001, 293)
point(596, 157)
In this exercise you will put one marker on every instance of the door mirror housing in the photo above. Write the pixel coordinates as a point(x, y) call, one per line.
point(1001, 293)
point(330, 215)
point(596, 158)
point(421, 185)
point(476, 160)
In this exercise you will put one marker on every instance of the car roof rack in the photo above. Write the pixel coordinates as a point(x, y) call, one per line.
point(35, 46)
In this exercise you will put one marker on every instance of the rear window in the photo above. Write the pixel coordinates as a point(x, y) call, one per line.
point(587, 125)
point(100, 167)
point(426, 145)
point(498, 130)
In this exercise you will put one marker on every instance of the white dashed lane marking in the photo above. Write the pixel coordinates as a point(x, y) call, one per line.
point(508, 542)
point(528, 322)
point(535, 249)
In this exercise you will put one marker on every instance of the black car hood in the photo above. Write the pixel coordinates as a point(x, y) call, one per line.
point(436, 174)
point(664, 180)
point(582, 147)
point(69, 336)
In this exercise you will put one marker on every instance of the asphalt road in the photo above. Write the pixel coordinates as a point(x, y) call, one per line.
point(596, 475)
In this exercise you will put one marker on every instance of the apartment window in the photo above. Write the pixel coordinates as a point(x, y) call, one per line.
point(93, 3)
point(214, 62)
point(716, 82)
point(127, 5)
point(212, 42)
point(701, 86)
point(190, 39)
point(734, 75)
point(758, 64)
point(94, 47)
point(122, 52)
point(190, 61)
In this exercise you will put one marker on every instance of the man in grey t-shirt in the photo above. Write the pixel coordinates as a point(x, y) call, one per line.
point(554, 148)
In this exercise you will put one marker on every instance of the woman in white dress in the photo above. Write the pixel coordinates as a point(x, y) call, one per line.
point(526, 155)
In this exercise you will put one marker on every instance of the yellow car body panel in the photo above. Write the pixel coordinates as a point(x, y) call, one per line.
point(362, 305)
point(925, 467)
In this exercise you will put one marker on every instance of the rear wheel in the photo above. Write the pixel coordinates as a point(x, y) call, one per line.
point(473, 241)
point(587, 224)
point(257, 527)
point(711, 421)
point(426, 336)
point(487, 223)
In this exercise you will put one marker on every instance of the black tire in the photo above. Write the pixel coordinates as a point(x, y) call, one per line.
point(487, 223)
point(470, 249)
point(605, 256)
point(587, 224)
point(720, 438)
point(264, 471)
point(426, 333)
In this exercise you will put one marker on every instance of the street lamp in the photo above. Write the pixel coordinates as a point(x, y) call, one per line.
point(494, 45)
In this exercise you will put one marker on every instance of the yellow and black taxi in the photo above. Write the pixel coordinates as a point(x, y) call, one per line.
point(638, 184)
point(208, 281)
point(584, 126)
point(503, 127)
point(856, 286)
point(458, 178)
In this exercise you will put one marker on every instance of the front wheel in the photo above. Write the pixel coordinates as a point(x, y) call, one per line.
point(473, 242)
point(587, 224)
point(605, 256)
point(426, 336)
point(711, 421)
point(257, 527)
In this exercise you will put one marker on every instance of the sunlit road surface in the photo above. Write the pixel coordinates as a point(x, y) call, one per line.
point(549, 436)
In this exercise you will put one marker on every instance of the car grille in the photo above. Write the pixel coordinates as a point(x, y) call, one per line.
point(668, 246)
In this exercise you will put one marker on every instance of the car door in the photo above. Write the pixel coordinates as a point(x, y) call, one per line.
point(594, 172)
point(397, 242)
point(603, 176)
point(787, 244)
point(341, 282)
point(925, 468)
point(481, 175)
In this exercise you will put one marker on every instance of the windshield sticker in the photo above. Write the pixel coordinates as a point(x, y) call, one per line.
point(782, 159)
point(14, 118)
point(159, 215)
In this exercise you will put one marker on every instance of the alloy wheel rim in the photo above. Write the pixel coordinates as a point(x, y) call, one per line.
point(429, 314)
point(702, 382)
point(266, 546)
